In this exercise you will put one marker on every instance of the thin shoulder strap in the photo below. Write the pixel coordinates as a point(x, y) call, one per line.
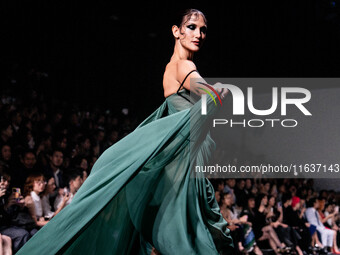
point(185, 79)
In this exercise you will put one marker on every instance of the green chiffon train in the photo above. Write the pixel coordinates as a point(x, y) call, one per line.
point(143, 192)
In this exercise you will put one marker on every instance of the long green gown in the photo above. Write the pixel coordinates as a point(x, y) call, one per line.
point(142, 192)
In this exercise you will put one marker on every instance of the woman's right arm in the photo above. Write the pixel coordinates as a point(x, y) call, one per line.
point(66, 197)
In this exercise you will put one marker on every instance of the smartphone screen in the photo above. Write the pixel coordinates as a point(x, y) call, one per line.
point(17, 192)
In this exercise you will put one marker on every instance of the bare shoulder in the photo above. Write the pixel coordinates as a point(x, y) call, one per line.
point(184, 67)
point(174, 74)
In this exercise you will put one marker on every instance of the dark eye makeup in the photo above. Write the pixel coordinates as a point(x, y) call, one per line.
point(193, 27)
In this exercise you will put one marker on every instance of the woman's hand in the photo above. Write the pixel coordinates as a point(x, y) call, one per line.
point(232, 227)
point(284, 225)
point(2, 192)
point(221, 91)
point(15, 201)
point(154, 251)
point(66, 197)
point(244, 219)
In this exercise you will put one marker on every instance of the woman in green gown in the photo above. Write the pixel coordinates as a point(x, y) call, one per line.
point(143, 195)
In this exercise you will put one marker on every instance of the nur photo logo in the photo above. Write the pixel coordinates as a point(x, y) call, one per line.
point(279, 98)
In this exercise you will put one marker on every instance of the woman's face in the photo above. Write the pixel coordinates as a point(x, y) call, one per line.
point(83, 164)
point(9, 131)
point(50, 185)
point(282, 188)
point(5, 182)
point(228, 200)
point(251, 203)
point(329, 208)
point(321, 205)
point(248, 184)
point(63, 143)
point(267, 186)
point(87, 144)
point(192, 33)
point(264, 200)
point(272, 201)
point(39, 186)
point(6, 152)
point(297, 206)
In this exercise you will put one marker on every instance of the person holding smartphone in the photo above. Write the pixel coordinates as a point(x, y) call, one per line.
point(13, 237)
point(75, 181)
point(50, 189)
point(33, 191)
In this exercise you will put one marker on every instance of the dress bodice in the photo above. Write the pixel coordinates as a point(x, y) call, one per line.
point(180, 101)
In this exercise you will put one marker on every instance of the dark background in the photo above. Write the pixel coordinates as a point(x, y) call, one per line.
point(114, 54)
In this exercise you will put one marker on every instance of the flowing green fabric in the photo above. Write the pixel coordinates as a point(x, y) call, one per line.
point(143, 192)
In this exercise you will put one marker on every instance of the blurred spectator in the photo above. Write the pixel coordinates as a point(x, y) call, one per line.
point(243, 236)
point(98, 146)
point(33, 192)
point(74, 181)
point(313, 217)
point(287, 233)
point(229, 188)
point(256, 213)
point(54, 167)
point(44, 149)
point(240, 193)
point(21, 171)
point(84, 146)
point(9, 204)
point(6, 132)
point(16, 119)
point(294, 217)
point(61, 142)
point(112, 138)
point(49, 189)
point(321, 208)
point(6, 155)
point(81, 163)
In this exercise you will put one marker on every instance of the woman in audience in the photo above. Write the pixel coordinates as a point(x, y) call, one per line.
point(274, 218)
point(50, 187)
point(240, 227)
point(294, 217)
point(290, 234)
point(331, 214)
point(257, 216)
point(33, 192)
point(5, 241)
point(324, 219)
point(5, 155)
point(274, 213)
